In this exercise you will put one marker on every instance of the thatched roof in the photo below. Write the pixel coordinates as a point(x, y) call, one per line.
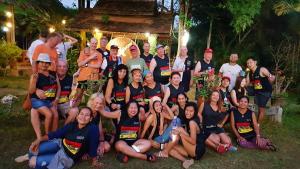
point(130, 16)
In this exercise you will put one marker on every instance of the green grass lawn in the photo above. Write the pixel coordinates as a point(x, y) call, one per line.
point(16, 134)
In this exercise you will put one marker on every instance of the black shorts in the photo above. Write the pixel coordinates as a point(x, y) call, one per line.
point(82, 84)
point(200, 146)
point(261, 98)
point(215, 130)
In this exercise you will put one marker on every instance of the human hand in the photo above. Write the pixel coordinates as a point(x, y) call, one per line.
point(100, 149)
point(40, 94)
point(35, 145)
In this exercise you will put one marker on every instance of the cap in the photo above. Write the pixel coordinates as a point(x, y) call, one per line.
point(152, 100)
point(114, 47)
point(159, 46)
point(226, 77)
point(44, 57)
point(132, 47)
point(208, 50)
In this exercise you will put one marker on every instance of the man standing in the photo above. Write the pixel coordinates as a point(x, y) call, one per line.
point(261, 80)
point(34, 44)
point(185, 66)
point(146, 55)
point(49, 48)
point(104, 52)
point(63, 47)
point(112, 61)
point(231, 69)
point(160, 66)
point(203, 67)
point(135, 62)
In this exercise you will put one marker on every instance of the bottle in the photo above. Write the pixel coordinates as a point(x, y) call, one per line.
point(226, 103)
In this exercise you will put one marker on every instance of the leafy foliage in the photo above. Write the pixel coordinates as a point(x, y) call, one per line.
point(8, 53)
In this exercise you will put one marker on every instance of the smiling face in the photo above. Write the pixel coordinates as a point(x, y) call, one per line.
point(43, 66)
point(157, 107)
point(251, 64)
point(136, 76)
point(175, 80)
point(114, 52)
point(103, 42)
point(93, 43)
point(62, 68)
point(189, 112)
point(132, 109)
point(122, 73)
point(215, 96)
point(225, 83)
point(208, 56)
point(84, 116)
point(97, 104)
point(183, 51)
point(149, 78)
point(181, 99)
point(243, 103)
point(160, 51)
point(243, 82)
point(234, 58)
point(146, 47)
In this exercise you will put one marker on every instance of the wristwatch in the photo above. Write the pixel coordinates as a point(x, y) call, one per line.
point(86, 65)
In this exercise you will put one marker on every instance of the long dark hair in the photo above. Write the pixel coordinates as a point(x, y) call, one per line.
point(127, 107)
point(115, 75)
point(195, 117)
point(237, 85)
point(220, 101)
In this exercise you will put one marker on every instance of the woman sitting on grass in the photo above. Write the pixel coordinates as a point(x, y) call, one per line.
point(128, 142)
point(245, 128)
point(154, 127)
point(213, 115)
point(66, 146)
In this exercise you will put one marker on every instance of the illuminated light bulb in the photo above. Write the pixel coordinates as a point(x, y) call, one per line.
point(147, 34)
point(8, 24)
point(8, 14)
point(63, 21)
point(51, 29)
point(5, 28)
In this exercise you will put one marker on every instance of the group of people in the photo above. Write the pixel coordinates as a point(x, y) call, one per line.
point(146, 100)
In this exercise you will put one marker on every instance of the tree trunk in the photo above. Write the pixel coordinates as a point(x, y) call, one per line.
point(181, 25)
point(209, 34)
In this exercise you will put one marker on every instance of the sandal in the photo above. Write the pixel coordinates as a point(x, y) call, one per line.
point(160, 154)
point(151, 157)
point(271, 147)
point(221, 149)
point(122, 157)
point(187, 163)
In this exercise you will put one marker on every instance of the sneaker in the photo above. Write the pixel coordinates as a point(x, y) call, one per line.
point(22, 158)
point(232, 149)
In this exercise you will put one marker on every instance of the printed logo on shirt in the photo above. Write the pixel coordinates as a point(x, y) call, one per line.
point(244, 127)
point(72, 146)
point(257, 85)
point(120, 96)
point(165, 71)
point(129, 132)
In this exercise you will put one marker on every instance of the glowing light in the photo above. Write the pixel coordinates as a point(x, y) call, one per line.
point(8, 14)
point(51, 29)
point(8, 24)
point(5, 28)
point(63, 21)
point(96, 30)
point(185, 38)
point(147, 34)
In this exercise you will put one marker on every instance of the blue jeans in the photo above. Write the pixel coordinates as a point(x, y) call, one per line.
point(166, 136)
point(37, 103)
point(46, 152)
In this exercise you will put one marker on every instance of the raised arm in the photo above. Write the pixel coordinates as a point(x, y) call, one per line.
point(166, 95)
point(265, 73)
point(152, 65)
point(147, 124)
point(200, 112)
point(108, 92)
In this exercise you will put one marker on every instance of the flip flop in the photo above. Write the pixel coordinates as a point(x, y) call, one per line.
point(151, 157)
point(122, 157)
point(187, 163)
point(160, 155)
point(22, 158)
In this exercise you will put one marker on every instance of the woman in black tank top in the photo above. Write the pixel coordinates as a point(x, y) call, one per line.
point(127, 137)
point(173, 89)
point(151, 89)
point(245, 127)
point(115, 92)
point(135, 92)
point(238, 91)
point(213, 116)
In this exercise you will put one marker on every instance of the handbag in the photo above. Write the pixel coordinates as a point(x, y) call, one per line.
point(27, 103)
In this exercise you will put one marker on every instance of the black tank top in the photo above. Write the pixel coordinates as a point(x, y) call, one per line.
point(204, 66)
point(226, 95)
point(239, 94)
point(151, 92)
point(111, 66)
point(128, 128)
point(66, 88)
point(173, 94)
point(261, 84)
point(137, 94)
point(162, 70)
point(211, 117)
point(244, 124)
point(48, 84)
point(119, 93)
point(181, 115)
point(147, 58)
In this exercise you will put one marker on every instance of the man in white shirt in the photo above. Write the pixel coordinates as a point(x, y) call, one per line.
point(231, 69)
point(63, 47)
point(34, 44)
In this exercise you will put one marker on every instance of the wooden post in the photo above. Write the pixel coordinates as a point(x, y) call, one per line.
point(83, 39)
point(10, 35)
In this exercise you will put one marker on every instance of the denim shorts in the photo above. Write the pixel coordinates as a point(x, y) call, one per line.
point(38, 103)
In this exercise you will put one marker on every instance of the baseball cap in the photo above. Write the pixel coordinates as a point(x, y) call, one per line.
point(159, 46)
point(43, 57)
point(226, 77)
point(208, 50)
